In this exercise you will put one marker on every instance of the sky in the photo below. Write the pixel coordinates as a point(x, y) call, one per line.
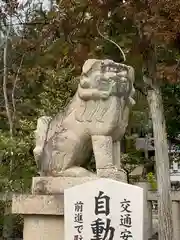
point(45, 3)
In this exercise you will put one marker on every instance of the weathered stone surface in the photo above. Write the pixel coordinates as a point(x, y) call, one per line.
point(95, 119)
point(38, 204)
point(56, 185)
point(39, 227)
point(112, 172)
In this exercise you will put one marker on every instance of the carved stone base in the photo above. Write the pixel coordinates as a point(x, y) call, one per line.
point(56, 185)
point(44, 210)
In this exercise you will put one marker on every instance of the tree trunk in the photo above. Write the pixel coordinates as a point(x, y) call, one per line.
point(148, 49)
point(162, 163)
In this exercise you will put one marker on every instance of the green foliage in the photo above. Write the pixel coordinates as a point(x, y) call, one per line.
point(171, 97)
point(152, 181)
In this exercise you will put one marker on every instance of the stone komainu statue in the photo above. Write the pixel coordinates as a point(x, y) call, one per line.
point(95, 120)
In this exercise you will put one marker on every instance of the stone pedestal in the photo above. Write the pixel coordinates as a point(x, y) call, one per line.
point(43, 216)
point(43, 210)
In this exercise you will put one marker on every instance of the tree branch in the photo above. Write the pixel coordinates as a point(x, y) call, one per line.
point(14, 88)
point(5, 85)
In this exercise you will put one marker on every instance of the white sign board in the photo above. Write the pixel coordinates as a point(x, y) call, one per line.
point(103, 209)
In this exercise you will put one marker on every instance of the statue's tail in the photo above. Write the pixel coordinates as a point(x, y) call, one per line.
point(41, 135)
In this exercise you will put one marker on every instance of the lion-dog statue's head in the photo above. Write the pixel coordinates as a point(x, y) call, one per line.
point(106, 91)
point(106, 78)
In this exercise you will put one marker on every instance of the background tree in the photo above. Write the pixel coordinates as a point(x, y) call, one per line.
point(46, 50)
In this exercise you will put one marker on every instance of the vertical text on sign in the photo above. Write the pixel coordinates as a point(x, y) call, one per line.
point(101, 226)
point(78, 220)
point(126, 220)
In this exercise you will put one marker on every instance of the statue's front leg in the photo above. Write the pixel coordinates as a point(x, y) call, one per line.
point(103, 152)
point(107, 158)
point(117, 154)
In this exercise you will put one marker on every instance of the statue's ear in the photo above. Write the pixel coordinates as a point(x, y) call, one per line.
point(88, 65)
